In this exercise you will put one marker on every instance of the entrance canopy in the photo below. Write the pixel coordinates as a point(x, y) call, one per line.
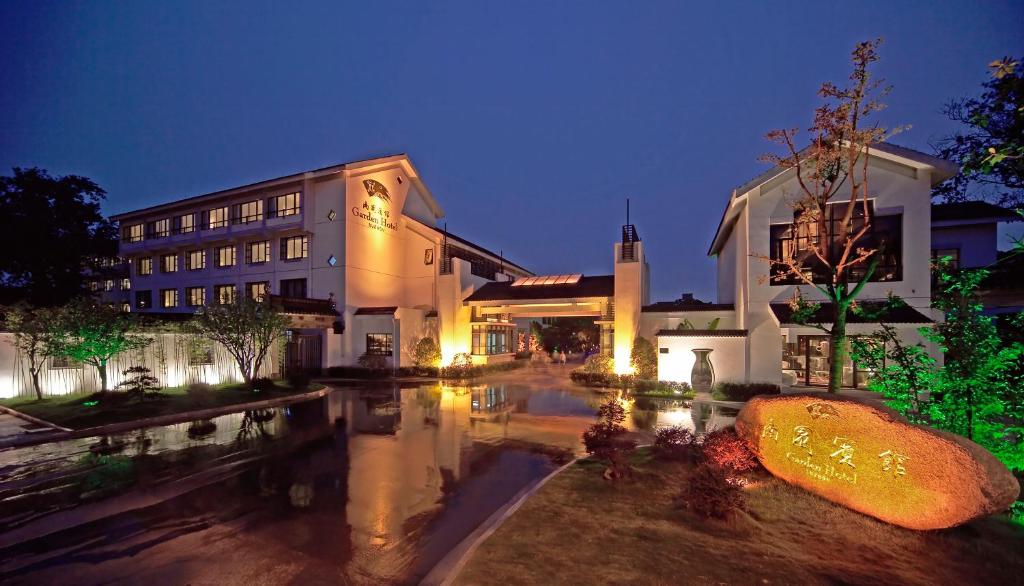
point(572, 295)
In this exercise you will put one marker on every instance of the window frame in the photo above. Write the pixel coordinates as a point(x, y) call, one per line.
point(158, 228)
point(144, 268)
point(491, 339)
point(249, 289)
point(303, 247)
point(130, 234)
point(217, 289)
point(179, 225)
point(189, 266)
point(285, 285)
point(380, 344)
point(233, 248)
point(163, 298)
point(242, 213)
point(275, 209)
point(249, 252)
point(207, 223)
point(188, 296)
point(163, 263)
point(144, 294)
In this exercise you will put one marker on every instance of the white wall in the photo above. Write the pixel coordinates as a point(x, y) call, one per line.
point(727, 357)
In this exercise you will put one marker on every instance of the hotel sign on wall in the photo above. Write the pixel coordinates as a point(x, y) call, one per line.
point(872, 460)
point(376, 207)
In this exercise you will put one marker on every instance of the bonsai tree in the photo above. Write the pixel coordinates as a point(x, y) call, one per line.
point(138, 383)
point(644, 359)
point(427, 354)
point(33, 338)
point(93, 333)
point(832, 254)
point(246, 328)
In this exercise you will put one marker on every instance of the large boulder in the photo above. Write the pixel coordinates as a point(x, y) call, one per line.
point(874, 461)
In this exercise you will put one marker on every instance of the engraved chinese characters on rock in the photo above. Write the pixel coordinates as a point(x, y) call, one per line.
point(893, 462)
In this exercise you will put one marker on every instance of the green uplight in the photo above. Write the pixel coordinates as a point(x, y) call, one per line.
point(91, 403)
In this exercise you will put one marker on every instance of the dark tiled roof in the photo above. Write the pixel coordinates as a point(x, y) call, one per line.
point(302, 306)
point(900, 315)
point(431, 313)
point(971, 210)
point(704, 333)
point(463, 241)
point(678, 305)
point(601, 286)
point(376, 311)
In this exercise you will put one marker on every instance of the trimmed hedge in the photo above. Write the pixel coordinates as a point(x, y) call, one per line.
point(725, 391)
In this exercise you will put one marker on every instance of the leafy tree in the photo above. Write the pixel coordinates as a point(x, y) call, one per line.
point(427, 354)
point(246, 328)
point(836, 260)
point(93, 333)
point(51, 228)
point(608, 439)
point(644, 359)
point(990, 145)
point(33, 338)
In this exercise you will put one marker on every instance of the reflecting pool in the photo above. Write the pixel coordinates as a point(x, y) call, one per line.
point(370, 484)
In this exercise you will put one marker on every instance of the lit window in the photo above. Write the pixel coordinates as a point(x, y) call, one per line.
point(378, 344)
point(145, 266)
point(195, 296)
point(215, 218)
point(169, 263)
point(294, 248)
point(257, 252)
point(225, 294)
point(168, 298)
point(195, 260)
point(133, 233)
point(143, 299)
point(244, 213)
point(126, 307)
point(108, 285)
point(126, 284)
point(491, 339)
point(159, 228)
point(257, 290)
point(225, 256)
point(185, 224)
point(284, 205)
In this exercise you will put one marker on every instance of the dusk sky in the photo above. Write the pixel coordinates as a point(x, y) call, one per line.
point(530, 122)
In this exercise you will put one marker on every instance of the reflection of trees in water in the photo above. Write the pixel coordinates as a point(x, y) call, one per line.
point(252, 424)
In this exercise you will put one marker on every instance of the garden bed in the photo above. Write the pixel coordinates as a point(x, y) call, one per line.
point(582, 529)
point(77, 411)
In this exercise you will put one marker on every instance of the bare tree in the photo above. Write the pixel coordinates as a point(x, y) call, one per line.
point(829, 250)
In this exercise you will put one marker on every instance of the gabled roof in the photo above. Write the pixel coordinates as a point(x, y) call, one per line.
point(376, 310)
point(600, 286)
point(901, 315)
point(403, 158)
point(971, 212)
point(940, 169)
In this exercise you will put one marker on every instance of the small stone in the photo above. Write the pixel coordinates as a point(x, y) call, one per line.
point(874, 461)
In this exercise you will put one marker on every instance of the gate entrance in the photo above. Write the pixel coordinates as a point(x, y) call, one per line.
point(304, 352)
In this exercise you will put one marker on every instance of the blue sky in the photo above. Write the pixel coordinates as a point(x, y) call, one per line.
point(530, 121)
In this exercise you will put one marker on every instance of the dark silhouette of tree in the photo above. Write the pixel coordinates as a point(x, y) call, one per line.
point(990, 145)
point(51, 229)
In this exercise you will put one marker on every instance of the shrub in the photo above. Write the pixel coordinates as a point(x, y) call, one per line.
point(299, 378)
point(262, 384)
point(427, 354)
point(138, 383)
point(461, 367)
point(198, 429)
point(373, 362)
point(593, 379)
point(676, 443)
point(598, 364)
point(644, 359)
point(676, 390)
point(709, 494)
point(726, 391)
point(200, 393)
point(606, 440)
point(725, 450)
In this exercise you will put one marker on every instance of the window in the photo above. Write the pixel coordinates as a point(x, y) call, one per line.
point(132, 233)
point(159, 228)
point(169, 263)
point(126, 307)
point(224, 256)
point(200, 352)
point(491, 339)
point(378, 344)
point(225, 294)
point(257, 252)
point(215, 218)
point(143, 299)
point(108, 285)
point(295, 288)
point(168, 298)
point(195, 260)
point(185, 224)
point(244, 213)
point(60, 362)
point(126, 284)
point(145, 266)
point(195, 296)
point(952, 253)
point(294, 247)
point(884, 235)
point(95, 286)
point(284, 205)
point(257, 290)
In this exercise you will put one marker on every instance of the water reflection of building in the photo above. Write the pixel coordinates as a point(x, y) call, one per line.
point(490, 401)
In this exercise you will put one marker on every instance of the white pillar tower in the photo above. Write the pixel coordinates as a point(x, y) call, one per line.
point(632, 284)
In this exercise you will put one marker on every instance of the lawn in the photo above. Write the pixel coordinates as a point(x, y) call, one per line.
point(581, 529)
point(71, 411)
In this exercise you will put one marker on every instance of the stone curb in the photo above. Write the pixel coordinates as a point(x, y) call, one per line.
point(451, 565)
point(29, 418)
point(162, 419)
